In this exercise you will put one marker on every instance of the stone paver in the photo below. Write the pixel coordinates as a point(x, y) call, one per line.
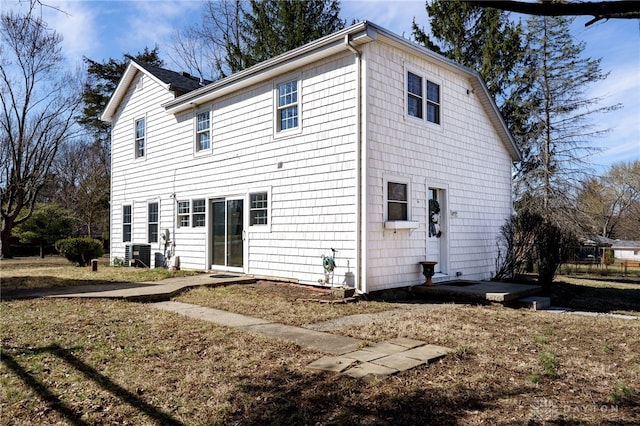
point(398, 362)
point(385, 348)
point(364, 355)
point(335, 364)
point(405, 342)
point(427, 352)
point(368, 369)
point(217, 316)
point(310, 339)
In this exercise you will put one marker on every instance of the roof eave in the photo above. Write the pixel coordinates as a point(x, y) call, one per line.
point(288, 61)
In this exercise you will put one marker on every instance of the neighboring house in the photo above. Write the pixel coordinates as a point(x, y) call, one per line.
point(626, 250)
point(343, 143)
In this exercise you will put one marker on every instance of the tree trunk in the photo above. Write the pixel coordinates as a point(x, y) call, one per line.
point(5, 238)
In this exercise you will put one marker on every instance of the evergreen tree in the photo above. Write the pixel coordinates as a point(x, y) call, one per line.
point(103, 77)
point(272, 27)
point(482, 39)
point(559, 131)
point(48, 224)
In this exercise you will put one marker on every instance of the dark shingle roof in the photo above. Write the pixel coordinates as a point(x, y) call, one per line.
point(180, 82)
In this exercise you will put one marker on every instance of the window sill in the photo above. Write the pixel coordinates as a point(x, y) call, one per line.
point(401, 224)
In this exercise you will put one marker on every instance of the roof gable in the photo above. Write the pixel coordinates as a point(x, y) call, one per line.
point(172, 81)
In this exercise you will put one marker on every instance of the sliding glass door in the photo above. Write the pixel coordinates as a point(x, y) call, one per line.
point(227, 229)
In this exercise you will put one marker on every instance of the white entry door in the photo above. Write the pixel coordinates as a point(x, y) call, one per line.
point(435, 239)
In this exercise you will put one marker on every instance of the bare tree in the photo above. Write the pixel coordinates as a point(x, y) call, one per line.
point(209, 48)
point(39, 102)
point(81, 183)
point(608, 204)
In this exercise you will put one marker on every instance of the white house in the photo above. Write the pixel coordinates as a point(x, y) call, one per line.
point(626, 250)
point(343, 144)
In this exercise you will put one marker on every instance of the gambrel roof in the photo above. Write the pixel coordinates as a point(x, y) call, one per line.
point(341, 41)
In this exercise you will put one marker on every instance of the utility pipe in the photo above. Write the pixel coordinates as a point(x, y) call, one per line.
point(361, 278)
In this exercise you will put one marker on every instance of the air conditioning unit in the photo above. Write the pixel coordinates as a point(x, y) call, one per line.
point(137, 255)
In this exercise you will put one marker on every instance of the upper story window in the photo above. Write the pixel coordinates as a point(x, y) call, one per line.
point(258, 209)
point(414, 95)
point(199, 212)
point(126, 223)
point(140, 132)
point(418, 103)
point(153, 222)
point(203, 131)
point(433, 102)
point(287, 111)
point(183, 213)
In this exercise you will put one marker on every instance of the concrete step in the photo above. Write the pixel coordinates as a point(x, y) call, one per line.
point(535, 302)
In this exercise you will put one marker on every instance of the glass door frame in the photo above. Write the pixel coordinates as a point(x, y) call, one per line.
point(212, 229)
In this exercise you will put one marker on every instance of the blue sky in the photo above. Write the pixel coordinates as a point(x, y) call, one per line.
point(107, 29)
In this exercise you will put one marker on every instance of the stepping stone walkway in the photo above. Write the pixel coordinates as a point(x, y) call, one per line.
point(348, 355)
point(382, 359)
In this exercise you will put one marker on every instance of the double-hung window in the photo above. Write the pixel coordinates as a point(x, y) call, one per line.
point(433, 102)
point(423, 95)
point(287, 111)
point(258, 209)
point(199, 212)
point(183, 213)
point(153, 222)
point(397, 201)
point(203, 131)
point(140, 132)
point(414, 95)
point(126, 223)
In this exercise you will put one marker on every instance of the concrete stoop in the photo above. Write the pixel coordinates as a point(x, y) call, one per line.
point(382, 359)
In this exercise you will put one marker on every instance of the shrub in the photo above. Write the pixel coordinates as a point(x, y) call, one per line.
point(528, 239)
point(80, 250)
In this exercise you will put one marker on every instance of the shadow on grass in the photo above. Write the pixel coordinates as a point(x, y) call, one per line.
point(31, 287)
point(596, 299)
point(286, 397)
point(90, 373)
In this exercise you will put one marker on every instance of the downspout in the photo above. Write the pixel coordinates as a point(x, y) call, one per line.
point(360, 267)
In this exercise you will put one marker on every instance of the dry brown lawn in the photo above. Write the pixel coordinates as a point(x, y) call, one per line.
point(111, 362)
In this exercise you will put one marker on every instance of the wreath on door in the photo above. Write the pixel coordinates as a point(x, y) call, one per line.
point(434, 219)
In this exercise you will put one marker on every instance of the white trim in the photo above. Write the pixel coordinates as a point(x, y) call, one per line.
point(386, 178)
point(277, 132)
point(259, 228)
point(156, 201)
point(135, 138)
point(401, 224)
point(445, 220)
point(424, 76)
point(200, 152)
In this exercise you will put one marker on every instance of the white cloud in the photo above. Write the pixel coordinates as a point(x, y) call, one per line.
point(151, 23)
point(395, 16)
